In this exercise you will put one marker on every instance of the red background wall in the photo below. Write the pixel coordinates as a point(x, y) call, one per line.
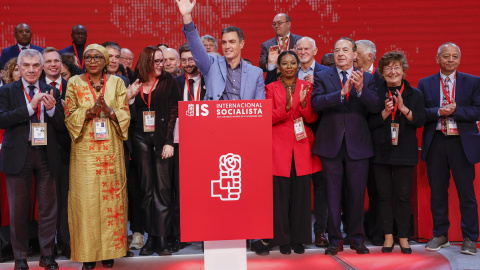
point(415, 27)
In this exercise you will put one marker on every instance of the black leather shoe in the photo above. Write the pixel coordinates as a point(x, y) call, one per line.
point(129, 254)
point(48, 262)
point(321, 240)
point(359, 247)
point(405, 250)
point(388, 249)
point(108, 263)
point(259, 248)
point(162, 247)
point(21, 265)
point(333, 249)
point(149, 246)
point(298, 248)
point(175, 246)
point(285, 249)
point(89, 265)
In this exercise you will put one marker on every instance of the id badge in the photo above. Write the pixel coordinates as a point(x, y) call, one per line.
point(299, 129)
point(100, 129)
point(149, 121)
point(394, 130)
point(452, 128)
point(39, 133)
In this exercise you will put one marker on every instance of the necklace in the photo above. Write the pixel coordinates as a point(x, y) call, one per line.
point(98, 87)
point(289, 87)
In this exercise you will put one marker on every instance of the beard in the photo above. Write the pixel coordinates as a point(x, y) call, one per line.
point(195, 68)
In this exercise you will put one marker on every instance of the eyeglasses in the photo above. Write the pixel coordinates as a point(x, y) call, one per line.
point(185, 60)
point(158, 61)
point(388, 69)
point(98, 58)
point(278, 23)
point(116, 56)
point(126, 58)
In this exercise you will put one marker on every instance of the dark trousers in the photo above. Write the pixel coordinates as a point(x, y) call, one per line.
point(155, 184)
point(373, 220)
point(446, 154)
point(355, 185)
point(394, 183)
point(19, 188)
point(320, 206)
point(176, 193)
point(62, 186)
point(291, 209)
point(134, 200)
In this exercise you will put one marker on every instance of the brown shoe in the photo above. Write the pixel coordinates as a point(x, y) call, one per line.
point(321, 240)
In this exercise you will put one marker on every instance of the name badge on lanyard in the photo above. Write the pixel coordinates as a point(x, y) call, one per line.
point(394, 130)
point(149, 116)
point(452, 128)
point(39, 133)
point(299, 129)
point(100, 128)
point(149, 121)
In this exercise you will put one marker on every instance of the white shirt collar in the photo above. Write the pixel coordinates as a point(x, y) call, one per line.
point(451, 76)
point(370, 70)
point(20, 46)
point(349, 71)
point(58, 81)
point(196, 78)
point(312, 66)
point(26, 84)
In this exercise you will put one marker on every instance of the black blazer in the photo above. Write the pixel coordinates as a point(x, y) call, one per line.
point(181, 86)
point(406, 152)
point(14, 119)
point(272, 42)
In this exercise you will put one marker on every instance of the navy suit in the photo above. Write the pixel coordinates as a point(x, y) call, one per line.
point(13, 51)
point(457, 154)
point(343, 137)
point(80, 50)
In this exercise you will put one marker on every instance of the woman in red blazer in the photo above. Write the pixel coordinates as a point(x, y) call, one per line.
point(293, 162)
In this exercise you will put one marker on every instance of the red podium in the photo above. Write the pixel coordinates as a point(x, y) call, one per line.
point(225, 174)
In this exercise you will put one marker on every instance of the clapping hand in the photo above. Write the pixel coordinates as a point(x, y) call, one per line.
point(49, 101)
point(289, 98)
point(303, 95)
point(357, 79)
point(97, 107)
point(347, 87)
point(134, 89)
point(399, 100)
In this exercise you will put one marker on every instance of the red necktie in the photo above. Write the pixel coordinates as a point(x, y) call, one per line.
point(445, 103)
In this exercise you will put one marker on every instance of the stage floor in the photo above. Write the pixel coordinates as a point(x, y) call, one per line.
point(191, 258)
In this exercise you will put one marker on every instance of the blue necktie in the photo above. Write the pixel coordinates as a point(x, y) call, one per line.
point(344, 79)
point(31, 93)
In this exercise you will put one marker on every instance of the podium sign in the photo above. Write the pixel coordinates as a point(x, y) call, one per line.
point(225, 170)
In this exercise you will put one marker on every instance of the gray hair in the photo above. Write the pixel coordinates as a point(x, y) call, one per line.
point(446, 44)
point(314, 44)
point(210, 38)
point(369, 47)
point(29, 53)
point(115, 47)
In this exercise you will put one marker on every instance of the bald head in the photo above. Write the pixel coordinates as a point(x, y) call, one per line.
point(281, 24)
point(79, 34)
point(23, 34)
point(126, 57)
point(172, 60)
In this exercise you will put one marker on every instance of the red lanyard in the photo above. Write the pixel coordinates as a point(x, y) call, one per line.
point(199, 86)
point(286, 42)
point(91, 88)
point(373, 72)
point(76, 53)
point(396, 104)
point(348, 93)
point(445, 93)
point(39, 109)
point(149, 95)
point(59, 89)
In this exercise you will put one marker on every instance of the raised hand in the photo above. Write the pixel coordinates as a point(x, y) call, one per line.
point(347, 87)
point(303, 95)
point(185, 7)
point(399, 100)
point(97, 107)
point(134, 89)
point(273, 54)
point(49, 101)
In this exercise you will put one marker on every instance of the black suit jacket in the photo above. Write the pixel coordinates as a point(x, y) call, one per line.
point(467, 97)
point(14, 119)
point(343, 119)
point(272, 42)
point(181, 86)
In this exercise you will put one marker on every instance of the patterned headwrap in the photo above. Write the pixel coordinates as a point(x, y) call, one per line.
point(101, 49)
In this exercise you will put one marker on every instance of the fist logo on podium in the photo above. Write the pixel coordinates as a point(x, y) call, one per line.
point(191, 110)
point(229, 187)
